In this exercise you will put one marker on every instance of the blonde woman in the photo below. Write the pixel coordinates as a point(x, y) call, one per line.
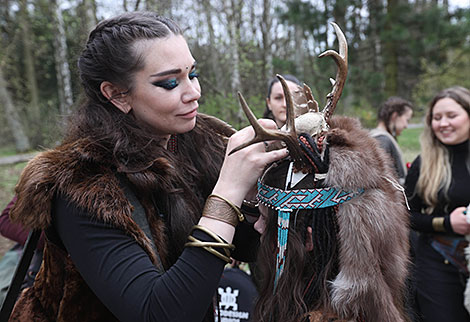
point(437, 185)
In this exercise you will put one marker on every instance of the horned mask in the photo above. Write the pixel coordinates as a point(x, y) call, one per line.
point(303, 114)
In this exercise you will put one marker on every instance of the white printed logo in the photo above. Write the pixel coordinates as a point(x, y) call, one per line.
point(228, 298)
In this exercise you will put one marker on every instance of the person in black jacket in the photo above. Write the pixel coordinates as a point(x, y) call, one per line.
point(437, 187)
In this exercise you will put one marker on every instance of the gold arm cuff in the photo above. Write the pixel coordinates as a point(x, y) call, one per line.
point(219, 208)
point(194, 242)
point(438, 224)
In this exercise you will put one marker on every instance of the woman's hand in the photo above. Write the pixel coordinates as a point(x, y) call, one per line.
point(458, 221)
point(241, 169)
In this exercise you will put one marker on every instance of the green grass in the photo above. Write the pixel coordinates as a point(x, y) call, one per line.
point(9, 175)
point(409, 143)
point(7, 151)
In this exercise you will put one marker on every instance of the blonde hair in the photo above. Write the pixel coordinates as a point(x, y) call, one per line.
point(435, 172)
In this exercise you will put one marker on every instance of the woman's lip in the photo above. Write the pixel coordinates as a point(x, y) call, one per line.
point(190, 114)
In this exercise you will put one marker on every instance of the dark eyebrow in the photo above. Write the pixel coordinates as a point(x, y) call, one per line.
point(167, 72)
point(171, 71)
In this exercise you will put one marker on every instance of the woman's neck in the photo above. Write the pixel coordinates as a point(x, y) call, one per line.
point(381, 125)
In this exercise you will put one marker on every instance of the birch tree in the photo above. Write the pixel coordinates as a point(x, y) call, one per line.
point(213, 55)
point(61, 63)
point(31, 84)
point(89, 16)
point(233, 14)
point(266, 25)
point(21, 140)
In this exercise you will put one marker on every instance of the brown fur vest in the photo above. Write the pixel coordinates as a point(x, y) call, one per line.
point(79, 172)
point(373, 228)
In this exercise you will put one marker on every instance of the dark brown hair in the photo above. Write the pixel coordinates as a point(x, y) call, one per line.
point(303, 286)
point(268, 114)
point(391, 105)
point(176, 183)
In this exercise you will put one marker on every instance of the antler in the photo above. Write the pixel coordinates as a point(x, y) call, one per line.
point(341, 60)
point(262, 134)
point(312, 122)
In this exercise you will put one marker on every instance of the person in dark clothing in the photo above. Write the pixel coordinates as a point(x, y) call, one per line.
point(121, 198)
point(392, 119)
point(437, 187)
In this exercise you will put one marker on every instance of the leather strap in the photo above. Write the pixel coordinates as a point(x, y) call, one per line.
point(18, 277)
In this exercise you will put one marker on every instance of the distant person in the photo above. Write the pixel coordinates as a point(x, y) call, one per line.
point(237, 294)
point(276, 101)
point(393, 118)
point(437, 186)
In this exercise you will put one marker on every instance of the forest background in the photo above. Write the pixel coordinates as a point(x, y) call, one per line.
point(396, 47)
point(409, 48)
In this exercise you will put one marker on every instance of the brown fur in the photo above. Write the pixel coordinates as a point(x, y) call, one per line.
point(373, 227)
point(84, 175)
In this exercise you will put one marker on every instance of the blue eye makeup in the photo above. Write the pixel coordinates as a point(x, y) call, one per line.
point(172, 83)
point(167, 84)
point(193, 74)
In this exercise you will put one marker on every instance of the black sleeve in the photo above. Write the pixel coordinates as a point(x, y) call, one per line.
point(246, 241)
point(419, 221)
point(122, 276)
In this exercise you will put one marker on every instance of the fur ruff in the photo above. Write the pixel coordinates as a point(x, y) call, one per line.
point(78, 172)
point(373, 228)
point(82, 173)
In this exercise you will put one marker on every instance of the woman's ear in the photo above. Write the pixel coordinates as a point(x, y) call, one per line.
point(268, 103)
point(116, 96)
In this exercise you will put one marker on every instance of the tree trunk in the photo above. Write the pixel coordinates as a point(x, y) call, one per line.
point(375, 14)
point(390, 53)
point(234, 32)
point(21, 140)
point(213, 58)
point(89, 15)
point(266, 30)
point(31, 84)
point(299, 54)
point(61, 63)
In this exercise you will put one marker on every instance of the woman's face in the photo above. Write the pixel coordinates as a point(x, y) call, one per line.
point(400, 122)
point(450, 122)
point(277, 102)
point(260, 224)
point(166, 91)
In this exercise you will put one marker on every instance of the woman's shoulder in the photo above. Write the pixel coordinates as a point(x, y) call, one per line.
point(73, 171)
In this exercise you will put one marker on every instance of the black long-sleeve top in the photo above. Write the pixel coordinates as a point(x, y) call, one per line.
point(122, 276)
point(457, 196)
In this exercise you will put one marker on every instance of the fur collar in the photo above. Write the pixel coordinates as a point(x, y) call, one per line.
point(373, 227)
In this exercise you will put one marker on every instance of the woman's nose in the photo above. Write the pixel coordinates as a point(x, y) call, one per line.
point(192, 91)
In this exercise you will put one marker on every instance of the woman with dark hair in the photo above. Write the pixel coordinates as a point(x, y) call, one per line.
point(276, 101)
point(120, 200)
point(437, 186)
point(392, 119)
